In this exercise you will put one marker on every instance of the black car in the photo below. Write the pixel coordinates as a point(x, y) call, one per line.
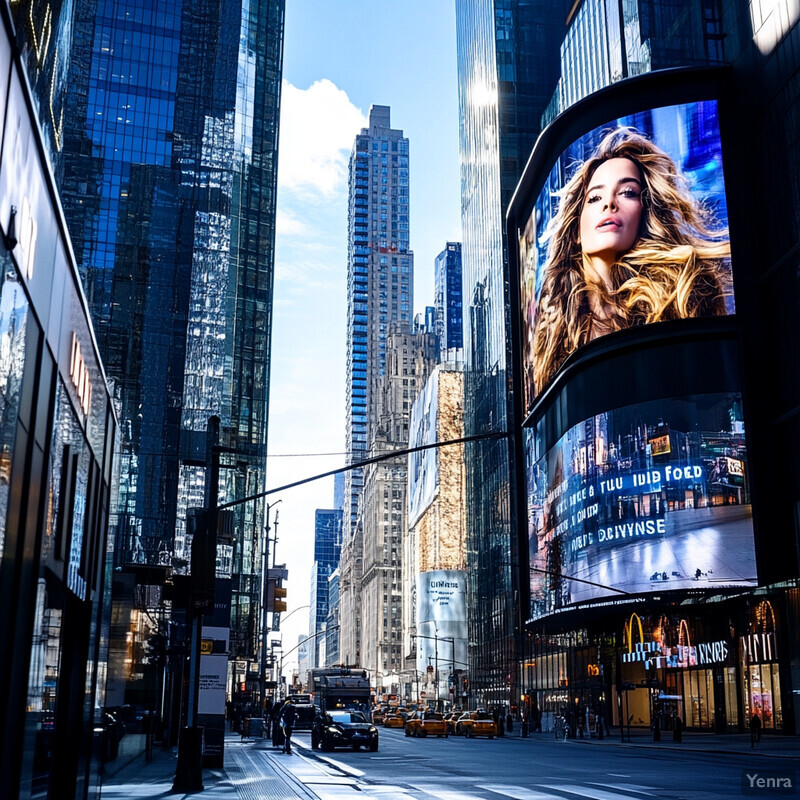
point(343, 729)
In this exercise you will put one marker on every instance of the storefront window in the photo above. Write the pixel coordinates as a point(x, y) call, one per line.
point(764, 696)
point(13, 318)
point(698, 691)
point(40, 721)
point(65, 515)
point(731, 704)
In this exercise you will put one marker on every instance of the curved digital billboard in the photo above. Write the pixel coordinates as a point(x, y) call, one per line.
point(649, 497)
point(629, 228)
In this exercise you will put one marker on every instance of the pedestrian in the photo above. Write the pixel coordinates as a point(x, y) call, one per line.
point(267, 717)
point(755, 730)
point(277, 730)
point(677, 729)
point(288, 717)
point(498, 721)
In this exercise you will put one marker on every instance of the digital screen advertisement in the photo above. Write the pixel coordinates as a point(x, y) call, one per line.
point(630, 228)
point(645, 498)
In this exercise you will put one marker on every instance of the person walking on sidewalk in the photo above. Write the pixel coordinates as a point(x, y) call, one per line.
point(755, 730)
point(277, 730)
point(288, 717)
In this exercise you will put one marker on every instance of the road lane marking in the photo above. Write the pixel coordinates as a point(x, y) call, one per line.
point(518, 792)
point(629, 787)
point(586, 791)
point(443, 793)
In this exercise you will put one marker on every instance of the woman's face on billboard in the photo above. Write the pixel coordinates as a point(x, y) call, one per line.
point(611, 213)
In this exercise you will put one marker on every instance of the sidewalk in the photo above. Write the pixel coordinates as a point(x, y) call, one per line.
point(253, 771)
point(772, 746)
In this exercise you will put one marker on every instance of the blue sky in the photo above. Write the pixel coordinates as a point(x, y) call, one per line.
point(340, 57)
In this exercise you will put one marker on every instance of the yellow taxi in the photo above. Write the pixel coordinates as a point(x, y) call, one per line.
point(425, 723)
point(393, 720)
point(476, 723)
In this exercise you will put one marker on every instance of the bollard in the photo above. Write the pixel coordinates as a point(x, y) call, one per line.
point(189, 771)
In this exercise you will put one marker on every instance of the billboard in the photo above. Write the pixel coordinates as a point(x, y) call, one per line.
point(630, 228)
point(423, 466)
point(645, 498)
point(442, 619)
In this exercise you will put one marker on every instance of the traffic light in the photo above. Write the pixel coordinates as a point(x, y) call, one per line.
point(204, 560)
point(275, 597)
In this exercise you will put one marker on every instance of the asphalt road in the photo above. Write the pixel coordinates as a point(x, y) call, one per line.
point(541, 769)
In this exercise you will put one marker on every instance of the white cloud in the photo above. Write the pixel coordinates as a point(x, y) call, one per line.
point(289, 224)
point(318, 127)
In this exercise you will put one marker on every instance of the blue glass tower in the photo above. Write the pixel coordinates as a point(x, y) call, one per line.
point(448, 304)
point(163, 135)
point(327, 549)
point(380, 291)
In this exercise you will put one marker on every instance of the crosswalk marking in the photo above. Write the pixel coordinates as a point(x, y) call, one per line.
point(587, 791)
point(443, 793)
point(627, 787)
point(518, 792)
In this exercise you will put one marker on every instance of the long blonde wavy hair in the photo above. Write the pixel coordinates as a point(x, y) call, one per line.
point(676, 268)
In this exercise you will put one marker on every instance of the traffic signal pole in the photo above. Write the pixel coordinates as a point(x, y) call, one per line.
point(189, 770)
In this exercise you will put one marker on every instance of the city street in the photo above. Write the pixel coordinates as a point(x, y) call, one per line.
point(536, 768)
point(540, 768)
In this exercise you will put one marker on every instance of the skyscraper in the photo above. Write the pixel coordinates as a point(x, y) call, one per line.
point(383, 509)
point(740, 118)
point(507, 70)
point(327, 549)
point(164, 138)
point(448, 304)
point(380, 292)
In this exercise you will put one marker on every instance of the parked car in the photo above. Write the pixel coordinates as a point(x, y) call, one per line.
point(393, 720)
point(476, 723)
point(343, 729)
point(425, 723)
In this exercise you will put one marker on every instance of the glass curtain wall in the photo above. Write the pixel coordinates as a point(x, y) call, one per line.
point(506, 73)
point(168, 179)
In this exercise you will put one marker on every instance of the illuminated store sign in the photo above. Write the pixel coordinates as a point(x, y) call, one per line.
point(658, 654)
point(760, 648)
point(629, 228)
point(603, 510)
point(79, 373)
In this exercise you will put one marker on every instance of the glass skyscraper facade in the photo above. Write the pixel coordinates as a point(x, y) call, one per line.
point(448, 304)
point(162, 125)
point(601, 43)
point(637, 37)
point(327, 549)
point(507, 69)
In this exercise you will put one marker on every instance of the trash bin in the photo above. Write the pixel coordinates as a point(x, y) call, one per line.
point(257, 727)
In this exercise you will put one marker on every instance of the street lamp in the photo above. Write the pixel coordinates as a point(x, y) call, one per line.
point(301, 642)
point(264, 615)
point(436, 639)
